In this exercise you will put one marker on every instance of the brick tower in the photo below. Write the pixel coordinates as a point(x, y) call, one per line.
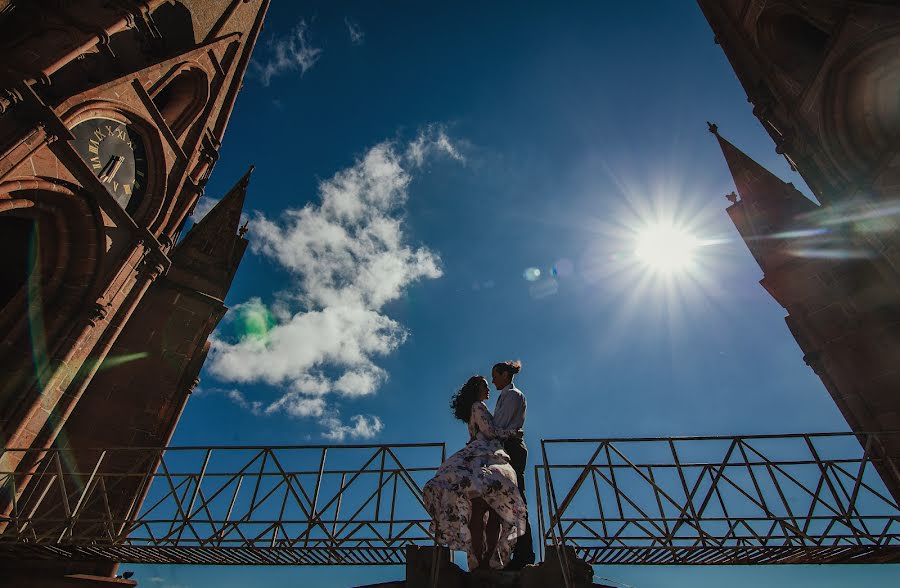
point(111, 117)
point(823, 79)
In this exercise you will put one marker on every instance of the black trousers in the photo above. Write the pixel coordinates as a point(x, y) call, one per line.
point(518, 458)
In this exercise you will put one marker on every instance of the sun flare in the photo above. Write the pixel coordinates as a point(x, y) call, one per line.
point(666, 248)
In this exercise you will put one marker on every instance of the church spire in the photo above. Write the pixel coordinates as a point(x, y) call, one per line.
point(767, 209)
point(220, 225)
point(213, 247)
point(754, 183)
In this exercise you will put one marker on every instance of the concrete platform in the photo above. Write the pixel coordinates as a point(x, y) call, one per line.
point(547, 574)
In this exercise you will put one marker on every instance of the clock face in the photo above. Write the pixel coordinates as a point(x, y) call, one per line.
point(116, 155)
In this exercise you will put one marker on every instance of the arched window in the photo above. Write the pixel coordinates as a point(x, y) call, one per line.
point(182, 99)
point(174, 21)
point(17, 241)
point(793, 43)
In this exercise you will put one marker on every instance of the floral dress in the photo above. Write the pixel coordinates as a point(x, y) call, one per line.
point(481, 469)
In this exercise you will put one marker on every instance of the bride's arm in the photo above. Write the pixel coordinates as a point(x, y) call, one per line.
point(485, 423)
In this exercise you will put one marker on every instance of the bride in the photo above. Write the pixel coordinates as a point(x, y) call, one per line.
point(474, 499)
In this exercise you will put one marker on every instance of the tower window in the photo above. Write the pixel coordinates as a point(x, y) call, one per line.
point(182, 99)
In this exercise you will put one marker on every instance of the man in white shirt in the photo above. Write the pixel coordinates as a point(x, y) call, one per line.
point(509, 413)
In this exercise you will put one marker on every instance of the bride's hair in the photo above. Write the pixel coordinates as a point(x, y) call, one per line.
point(461, 402)
point(509, 367)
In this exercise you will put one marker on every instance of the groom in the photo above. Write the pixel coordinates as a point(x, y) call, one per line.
point(509, 413)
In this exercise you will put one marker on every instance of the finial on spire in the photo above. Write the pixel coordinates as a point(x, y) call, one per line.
point(246, 179)
point(243, 230)
point(713, 128)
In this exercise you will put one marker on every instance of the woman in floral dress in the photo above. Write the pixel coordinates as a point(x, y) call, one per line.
point(474, 499)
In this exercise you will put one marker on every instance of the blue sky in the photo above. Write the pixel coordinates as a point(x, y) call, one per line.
point(496, 137)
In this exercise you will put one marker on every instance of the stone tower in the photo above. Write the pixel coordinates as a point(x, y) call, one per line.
point(823, 78)
point(112, 114)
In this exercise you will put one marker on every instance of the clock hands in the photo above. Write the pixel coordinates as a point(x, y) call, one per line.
point(111, 168)
point(115, 155)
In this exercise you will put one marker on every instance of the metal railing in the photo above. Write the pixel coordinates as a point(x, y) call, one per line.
point(321, 504)
point(767, 499)
point(690, 500)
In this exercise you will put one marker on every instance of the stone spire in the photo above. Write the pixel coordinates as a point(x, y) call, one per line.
point(213, 247)
point(755, 183)
point(218, 228)
point(767, 208)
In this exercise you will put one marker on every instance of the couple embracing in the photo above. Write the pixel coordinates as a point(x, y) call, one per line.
point(477, 498)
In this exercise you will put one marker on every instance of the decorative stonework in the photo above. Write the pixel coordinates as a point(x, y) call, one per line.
point(107, 292)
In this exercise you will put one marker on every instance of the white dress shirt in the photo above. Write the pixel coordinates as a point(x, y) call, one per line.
point(509, 413)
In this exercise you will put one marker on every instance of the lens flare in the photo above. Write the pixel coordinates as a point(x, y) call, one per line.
point(563, 268)
point(112, 361)
point(254, 320)
point(251, 322)
point(532, 274)
point(666, 248)
point(831, 253)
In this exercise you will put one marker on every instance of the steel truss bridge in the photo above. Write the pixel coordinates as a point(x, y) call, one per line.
point(786, 499)
point(310, 505)
point(816, 498)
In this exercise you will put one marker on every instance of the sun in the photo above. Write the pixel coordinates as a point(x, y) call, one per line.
point(666, 248)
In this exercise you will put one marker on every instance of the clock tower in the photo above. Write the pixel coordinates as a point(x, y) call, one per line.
point(112, 114)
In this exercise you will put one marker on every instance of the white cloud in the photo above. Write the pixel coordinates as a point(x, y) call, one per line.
point(361, 427)
point(343, 334)
point(298, 405)
point(288, 53)
point(348, 256)
point(356, 33)
point(432, 140)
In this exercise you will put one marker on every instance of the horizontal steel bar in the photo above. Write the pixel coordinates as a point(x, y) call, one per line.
point(719, 437)
point(231, 447)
